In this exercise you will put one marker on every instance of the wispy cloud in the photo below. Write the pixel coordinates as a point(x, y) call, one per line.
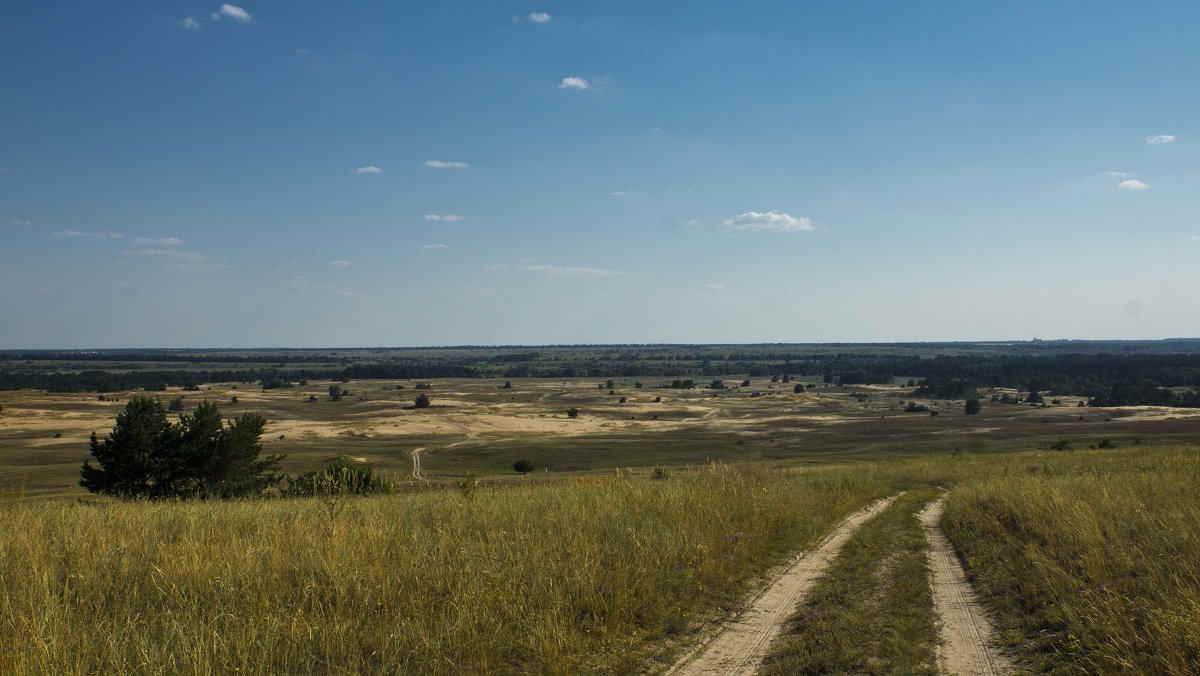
point(1117, 174)
point(19, 222)
point(76, 234)
point(623, 193)
point(300, 283)
point(769, 221)
point(1132, 184)
point(174, 254)
point(568, 271)
point(711, 287)
point(540, 17)
point(1161, 139)
point(340, 264)
point(573, 82)
point(369, 169)
point(157, 241)
point(233, 12)
point(190, 23)
point(181, 260)
point(444, 164)
point(445, 218)
point(433, 247)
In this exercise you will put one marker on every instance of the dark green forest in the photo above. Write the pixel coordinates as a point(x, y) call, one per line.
point(1110, 373)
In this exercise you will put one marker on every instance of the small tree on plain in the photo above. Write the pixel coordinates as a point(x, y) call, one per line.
point(572, 412)
point(972, 406)
point(335, 392)
point(422, 401)
point(523, 466)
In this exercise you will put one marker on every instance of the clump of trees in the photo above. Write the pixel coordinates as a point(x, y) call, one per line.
point(422, 401)
point(201, 456)
point(972, 406)
point(523, 466)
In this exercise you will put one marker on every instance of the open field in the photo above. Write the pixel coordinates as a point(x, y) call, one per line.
point(1085, 557)
point(1082, 556)
point(477, 426)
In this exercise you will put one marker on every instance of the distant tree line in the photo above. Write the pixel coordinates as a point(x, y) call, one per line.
point(1115, 378)
point(157, 381)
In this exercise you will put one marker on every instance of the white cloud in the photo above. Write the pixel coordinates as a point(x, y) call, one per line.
point(575, 83)
point(445, 218)
point(369, 169)
point(190, 23)
point(623, 193)
point(1117, 174)
point(301, 52)
point(1195, 238)
point(233, 12)
point(433, 247)
point(1161, 139)
point(1132, 184)
point(157, 241)
point(76, 234)
point(443, 164)
point(711, 287)
point(568, 271)
point(770, 221)
point(22, 223)
point(340, 264)
point(539, 17)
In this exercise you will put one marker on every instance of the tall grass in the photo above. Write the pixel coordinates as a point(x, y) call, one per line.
point(580, 575)
point(1094, 556)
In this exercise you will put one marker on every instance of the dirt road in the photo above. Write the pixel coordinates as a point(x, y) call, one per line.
point(968, 637)
point(741, 645)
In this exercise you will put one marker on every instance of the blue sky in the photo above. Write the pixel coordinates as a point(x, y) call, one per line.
point(268, 173)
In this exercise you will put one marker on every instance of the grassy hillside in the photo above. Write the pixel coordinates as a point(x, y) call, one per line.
point(559, 578)
point(1089, 556)
point(1092, 558)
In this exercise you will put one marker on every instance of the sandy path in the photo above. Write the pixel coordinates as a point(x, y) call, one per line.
point(967, 634)
point(741, 645)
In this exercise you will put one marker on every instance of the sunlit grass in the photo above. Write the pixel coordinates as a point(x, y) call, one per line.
point(579, 575)
point(1092, 557)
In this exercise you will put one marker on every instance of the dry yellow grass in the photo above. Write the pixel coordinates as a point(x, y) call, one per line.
point(1092, 557)
point(579, 575)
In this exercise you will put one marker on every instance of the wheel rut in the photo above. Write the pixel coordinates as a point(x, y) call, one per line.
point(741, 645)
point(968, 637)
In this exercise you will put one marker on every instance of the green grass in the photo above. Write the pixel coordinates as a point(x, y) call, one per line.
point(872, 613)
point(1092, 558)
point(583, 575)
